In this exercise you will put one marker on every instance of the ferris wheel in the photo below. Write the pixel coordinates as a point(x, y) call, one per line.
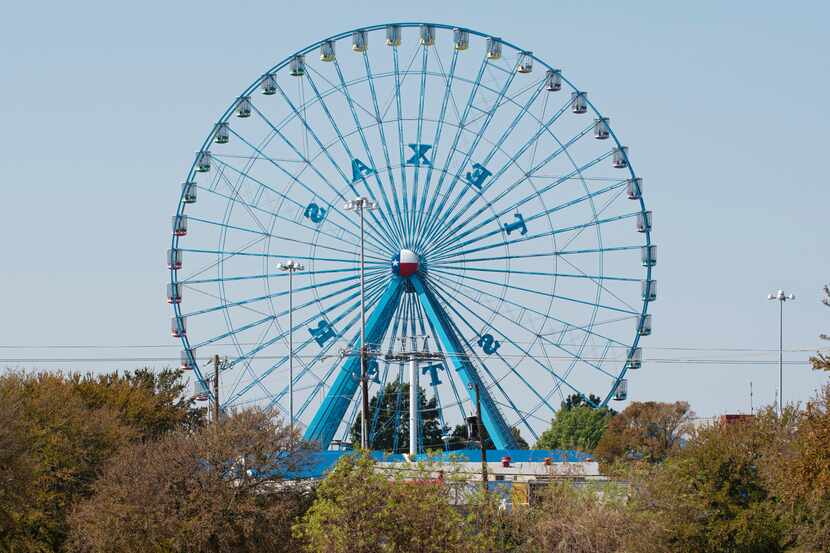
point(507, 225)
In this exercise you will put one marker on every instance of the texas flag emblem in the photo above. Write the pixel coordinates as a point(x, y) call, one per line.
point(405, 263)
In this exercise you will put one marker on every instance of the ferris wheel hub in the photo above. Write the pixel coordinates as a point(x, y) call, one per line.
point(405, 263)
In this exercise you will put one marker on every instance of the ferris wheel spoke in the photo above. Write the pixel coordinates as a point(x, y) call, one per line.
point(233, 253)
point(454, 147)
point(601, 285)
point(448, 80)
point(450, 231)
point(447, 295)
point(401, 140)
point(280, 275)
point(440, 292)
point(468, 155)
point(459, 271)
point(418, 135)
point(257, 299)
point(285, 197)
point(545, 294)
point(373, 245)
point(285, 238)
point(382, 136)
point(556, 253)
point(530, 237)
point(454, 243)
point(324, 150)
point(566, 325)
point(322, 354)
point(392, 231)
point(514, 157)
point(344, 89)
point(523, 110)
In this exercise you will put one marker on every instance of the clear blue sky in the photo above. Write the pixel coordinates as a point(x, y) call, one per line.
point(724, 105)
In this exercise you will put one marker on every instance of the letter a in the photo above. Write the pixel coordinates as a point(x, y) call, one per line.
point(360, 170)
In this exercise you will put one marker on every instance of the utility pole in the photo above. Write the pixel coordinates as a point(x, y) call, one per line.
point(216, 389)
point(360, 205)
point(291, 267)
point(414, 356)
point(781, 297)
point(480, 430)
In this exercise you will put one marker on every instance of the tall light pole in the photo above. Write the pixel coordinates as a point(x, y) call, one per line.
point(360, 205)
point(291, 267)
point(781, 297)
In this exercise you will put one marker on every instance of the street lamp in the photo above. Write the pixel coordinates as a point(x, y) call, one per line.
point(360, 205)
point(781, 297)
point(291, 267)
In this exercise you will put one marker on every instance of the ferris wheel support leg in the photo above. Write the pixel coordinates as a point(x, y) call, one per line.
point(329, 416)
point(497, 427)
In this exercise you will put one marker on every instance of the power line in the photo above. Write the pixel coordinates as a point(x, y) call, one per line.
point(344, 340)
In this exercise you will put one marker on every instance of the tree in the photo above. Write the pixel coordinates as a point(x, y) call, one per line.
point(69, 427)
point(389, 428)
point(821, 361)
point(220, 488)
point(16, 469)
point(460, 438)
point(645, 430)
point(798, 471)
point(575, 400)
point(580, 520)
point(579, 427)
point(360, 510)
point(710, 496)
point(152, 402)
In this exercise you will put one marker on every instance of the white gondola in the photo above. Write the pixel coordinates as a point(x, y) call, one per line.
point(620, 157)
point(648, 255)
point(360, 41)
point(649, 289)
point(393, 35)
point(460, 39)
point(186, 361)
point(222, 133)
point(327, 51)
point(174, 293)
point(296, 67)
point(579, 102)
point(493, 48)
point(525, 62)
point(178, 327)
point(269, 85)
point(174, 259)
point(601, 128)
point(200, 390)
point(634, 188)
point(180, 225)
point(635, 359)
point(203, 162)
point(189, 192)
point(427, 35)
point(553, 80)
point(243, 107)
point(621, 391)
point(644, 221)
point(644, 325)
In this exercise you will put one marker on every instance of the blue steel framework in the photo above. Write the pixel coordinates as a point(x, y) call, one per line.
point(524, 212)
